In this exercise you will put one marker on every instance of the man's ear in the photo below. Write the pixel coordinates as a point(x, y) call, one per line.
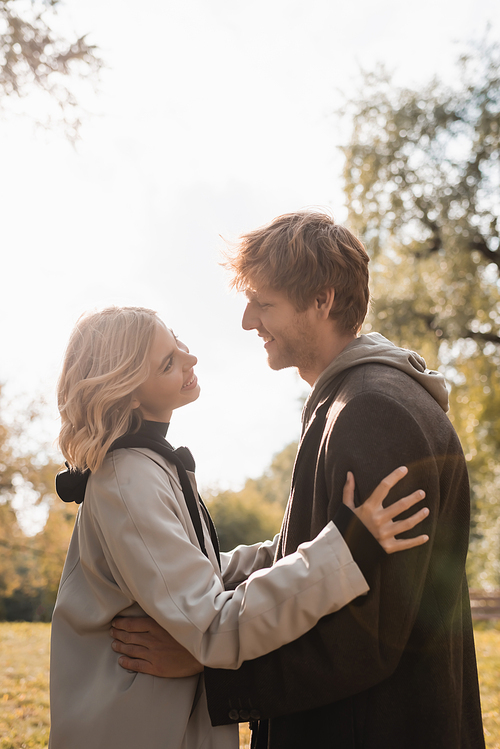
point(324, 301)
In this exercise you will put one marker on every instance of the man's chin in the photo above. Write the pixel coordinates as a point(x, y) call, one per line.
point(276, 364)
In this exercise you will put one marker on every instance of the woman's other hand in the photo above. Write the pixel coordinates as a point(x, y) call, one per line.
point(380, 520)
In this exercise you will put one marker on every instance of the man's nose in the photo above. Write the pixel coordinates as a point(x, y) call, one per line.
point(249, 320)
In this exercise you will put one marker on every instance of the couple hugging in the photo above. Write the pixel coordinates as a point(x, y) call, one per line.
point(322, 637)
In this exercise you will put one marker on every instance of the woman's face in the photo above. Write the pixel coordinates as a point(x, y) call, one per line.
point(172, 382)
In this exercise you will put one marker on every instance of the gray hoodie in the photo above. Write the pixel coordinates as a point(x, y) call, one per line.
point(373, 348)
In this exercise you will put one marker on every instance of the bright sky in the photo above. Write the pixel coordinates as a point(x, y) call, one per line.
point(214, 116)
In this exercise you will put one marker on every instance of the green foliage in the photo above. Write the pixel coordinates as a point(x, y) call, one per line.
point(34, 57)
point(254, 513)
point(274, 485)
point(422, 179)
point(243, 518)
point(9, 536)
point(30, 567)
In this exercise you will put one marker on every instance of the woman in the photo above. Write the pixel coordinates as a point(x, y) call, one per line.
point(144, 544)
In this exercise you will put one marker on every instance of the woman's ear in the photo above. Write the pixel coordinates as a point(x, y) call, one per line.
point(324, 302)
point(135, 403)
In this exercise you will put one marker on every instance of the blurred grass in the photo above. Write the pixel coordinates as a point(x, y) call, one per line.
point(24, 681)
point(24, 676)
point(487, 636)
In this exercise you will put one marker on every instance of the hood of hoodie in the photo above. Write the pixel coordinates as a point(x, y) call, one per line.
point(373, 348)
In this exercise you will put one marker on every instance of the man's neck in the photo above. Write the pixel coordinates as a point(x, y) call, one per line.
point(331, 349)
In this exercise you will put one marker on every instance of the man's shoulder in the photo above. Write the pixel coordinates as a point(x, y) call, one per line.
point(378, 396)
point(372, 386)
point(372, 379)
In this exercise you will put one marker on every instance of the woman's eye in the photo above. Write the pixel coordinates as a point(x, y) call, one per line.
point(168, 365)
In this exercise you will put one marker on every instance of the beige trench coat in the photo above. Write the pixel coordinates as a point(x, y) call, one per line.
point(134, 551)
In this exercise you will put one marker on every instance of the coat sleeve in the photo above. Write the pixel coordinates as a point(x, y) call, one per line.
point(359, 646)
point(145, 540)
point(239, 563)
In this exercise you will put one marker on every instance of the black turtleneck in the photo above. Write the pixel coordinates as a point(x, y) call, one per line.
point(154, 428)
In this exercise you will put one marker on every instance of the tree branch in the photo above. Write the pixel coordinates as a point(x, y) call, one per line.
point(479, 244)
point(485, 337)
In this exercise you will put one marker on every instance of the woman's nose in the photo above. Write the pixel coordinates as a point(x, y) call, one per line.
point(191, 360)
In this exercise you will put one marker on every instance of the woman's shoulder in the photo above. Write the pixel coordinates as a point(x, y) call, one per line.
point(126, 467)
point(135, 479)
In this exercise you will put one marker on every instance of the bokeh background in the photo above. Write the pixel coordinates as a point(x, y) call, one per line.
point(210, 118)
point(147, 135)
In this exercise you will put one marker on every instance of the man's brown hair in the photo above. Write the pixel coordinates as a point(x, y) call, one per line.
point(301, 254)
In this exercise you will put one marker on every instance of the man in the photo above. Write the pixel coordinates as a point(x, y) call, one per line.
point(397, 667)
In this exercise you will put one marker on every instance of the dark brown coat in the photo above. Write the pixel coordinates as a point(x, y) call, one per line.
point(396, 667)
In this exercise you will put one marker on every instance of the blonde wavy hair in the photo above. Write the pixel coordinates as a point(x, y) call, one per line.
point(105, 361)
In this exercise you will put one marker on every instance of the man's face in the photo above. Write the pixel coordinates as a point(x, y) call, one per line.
point(291, 337)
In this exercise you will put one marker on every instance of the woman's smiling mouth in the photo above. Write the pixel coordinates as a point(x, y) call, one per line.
point(191, 383)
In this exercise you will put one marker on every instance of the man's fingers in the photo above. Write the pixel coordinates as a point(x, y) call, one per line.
point(133, 623)
point(133, 651)
point(135, 664)
point(139, 638)
point(400, 544)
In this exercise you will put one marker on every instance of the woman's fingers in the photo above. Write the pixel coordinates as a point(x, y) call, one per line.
point(380, 520)
point(400, 526)
point(404, 504)
point(400, 544)
point(348, 493)
point(382, 490)
point(390, 529)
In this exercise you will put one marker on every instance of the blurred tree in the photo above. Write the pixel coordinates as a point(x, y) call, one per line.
point(243, 518)
point(10, 535)
point(23, 582)
point(422, 180)
point(49, 550)
point(254, 513)
point(35, 57)
point(274, 484)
